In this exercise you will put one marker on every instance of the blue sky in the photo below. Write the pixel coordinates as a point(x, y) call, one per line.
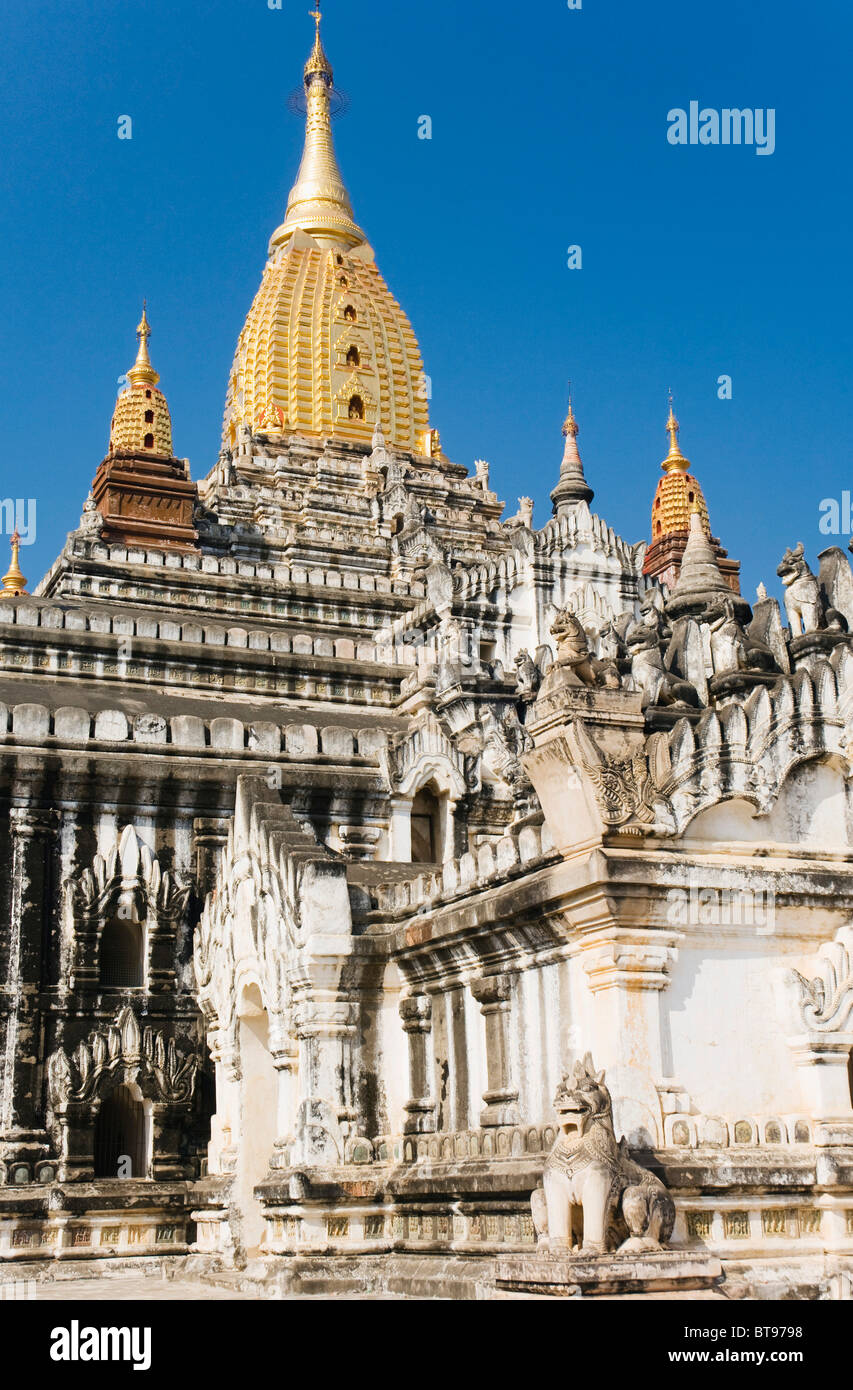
point(549, 129)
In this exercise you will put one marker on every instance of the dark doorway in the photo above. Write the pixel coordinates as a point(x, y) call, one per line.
point(425, 818)
point(121, 1137)
point(122, 964)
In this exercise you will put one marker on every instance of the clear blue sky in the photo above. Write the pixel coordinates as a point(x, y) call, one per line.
point(549, 129)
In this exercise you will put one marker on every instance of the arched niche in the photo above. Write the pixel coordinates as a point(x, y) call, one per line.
point(122, 1145)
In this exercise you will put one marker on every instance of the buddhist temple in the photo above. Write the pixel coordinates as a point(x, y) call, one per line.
point(407, 896)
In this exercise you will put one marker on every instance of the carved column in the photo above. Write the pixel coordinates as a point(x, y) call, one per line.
point(22, 1137)
point(824, 1062)
point(401, 829)
point(493, 995)
point(209, 836)
point(225, 1121)
point(447, 849)
point(285, 1055)
point(627, 971)
point(416, 1013)
point(325, 1025)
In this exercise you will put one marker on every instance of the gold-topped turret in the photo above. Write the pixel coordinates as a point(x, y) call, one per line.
point(679, 508)
point(142, 373)
point(319, 203)
point(678, 492)
point(675, 460)
point(13, 581)
point(326, 351)
point(141, 420)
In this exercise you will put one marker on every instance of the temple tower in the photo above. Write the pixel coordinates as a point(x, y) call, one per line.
point(677, 494)
point(144, 494)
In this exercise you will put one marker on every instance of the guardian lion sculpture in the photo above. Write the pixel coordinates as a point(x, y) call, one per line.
point(625, 1207)
point(802, 592)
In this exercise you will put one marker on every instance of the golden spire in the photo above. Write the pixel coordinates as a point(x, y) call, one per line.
point(318, 62)
point(14, 582)
point(142, 373)
point(570, 425)
point(319, 203)
point(675, 460)
point(141, 416)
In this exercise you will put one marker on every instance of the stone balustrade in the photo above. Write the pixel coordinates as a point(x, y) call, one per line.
point(284, 575)
point(29, 612)
point(489, 866)
point(71, 725)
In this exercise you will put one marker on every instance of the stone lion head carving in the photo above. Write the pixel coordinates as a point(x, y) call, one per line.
point(582, 1098)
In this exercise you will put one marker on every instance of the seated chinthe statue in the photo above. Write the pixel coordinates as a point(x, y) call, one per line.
point(625, 1207)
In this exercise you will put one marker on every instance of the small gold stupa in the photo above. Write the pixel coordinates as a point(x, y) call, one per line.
point(14, 582)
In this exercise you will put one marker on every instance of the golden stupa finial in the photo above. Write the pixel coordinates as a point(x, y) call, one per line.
point(675, 460)
point(571, 425)
point(318, 62)
point(319, 203)
point(13, 581)
point(142, 373)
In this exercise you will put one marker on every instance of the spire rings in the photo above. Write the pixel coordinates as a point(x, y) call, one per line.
point(297, 103)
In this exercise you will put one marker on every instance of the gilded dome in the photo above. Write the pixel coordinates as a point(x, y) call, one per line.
point(141, 422)
point(326, 350)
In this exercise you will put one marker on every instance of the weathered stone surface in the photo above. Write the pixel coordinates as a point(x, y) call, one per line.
point(569, 1275)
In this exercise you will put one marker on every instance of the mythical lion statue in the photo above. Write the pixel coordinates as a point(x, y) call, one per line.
point(802, 592)
point(574, 655)
point(624, 1206)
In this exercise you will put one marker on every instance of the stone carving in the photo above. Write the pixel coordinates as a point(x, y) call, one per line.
point(734, 648)
point(574, 656)
point(528, 676)
point(121, 1052)
point(505, 740)
point(624, 787)
point(91, 521)
point(624, 1206)
point(836, 585)
point(645, 641)
point(802, 592)
point(826, 1002)
point(425, 750)
point(129, 874)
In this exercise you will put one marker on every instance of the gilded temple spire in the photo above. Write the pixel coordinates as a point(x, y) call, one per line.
point(13, 580)
point(142, 373)
point(319, 203)
point(141, 421)
point(675, 460)
point(679, 507)
point(318, 62)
